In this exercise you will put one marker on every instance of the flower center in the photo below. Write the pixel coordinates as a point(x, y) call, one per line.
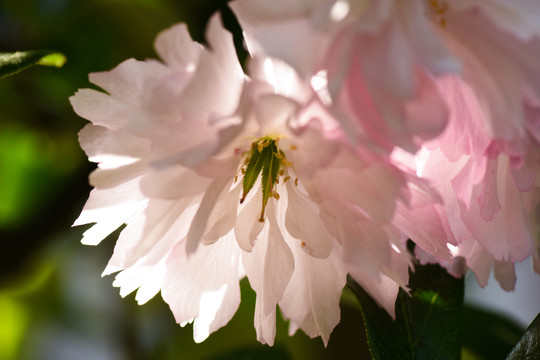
point(267, 159)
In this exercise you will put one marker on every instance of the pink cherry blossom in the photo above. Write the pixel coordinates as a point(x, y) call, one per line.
point(378, 56)
point(490, 194)
point(459, 78)
point(381, 59)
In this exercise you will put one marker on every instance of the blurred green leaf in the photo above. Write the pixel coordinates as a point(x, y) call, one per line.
point(55, 59)
point(13, 63)
point(488, 335)
point(528, 348)
point(14, 322)
point(31, 170)
point(428, 322)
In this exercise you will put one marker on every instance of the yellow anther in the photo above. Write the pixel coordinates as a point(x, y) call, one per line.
point(285, 162)
point(275, 195)
point(440, 8)
point(296, 182)
point(294, 147)
point(286, 178)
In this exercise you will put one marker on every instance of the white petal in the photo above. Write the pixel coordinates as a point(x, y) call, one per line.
point(110, 209)
point(383, 290)
point(203, 285)
point(173, 182)
point(148, 279)
point(152, 234)
point(311, 299)
point(302, 222)
point(98, 141)
point(248, 226)
point(130, 80)
point(110, 178)
point(217, 189)
point(302, 51)
point(223, 217)
point(265, 325)
point(269, 267)
point(222, 70)
point(99, 108)
point(175, 46)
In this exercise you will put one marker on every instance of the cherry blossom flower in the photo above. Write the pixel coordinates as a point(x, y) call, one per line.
point(379, 57)
point(382, 58)
point(218, 176)
point(154, 111)
point(490, 194)
point(359, 125)
point(459, 78)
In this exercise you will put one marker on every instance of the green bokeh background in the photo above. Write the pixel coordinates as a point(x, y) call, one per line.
point(53, 302)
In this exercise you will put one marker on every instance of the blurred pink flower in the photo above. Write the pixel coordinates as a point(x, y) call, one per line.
point(382, 58)
point(490, 193)
point(379, 58)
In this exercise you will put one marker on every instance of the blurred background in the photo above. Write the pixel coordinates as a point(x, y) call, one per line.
point(53, 302)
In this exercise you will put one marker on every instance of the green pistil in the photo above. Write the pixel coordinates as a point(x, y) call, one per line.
point(264, 157)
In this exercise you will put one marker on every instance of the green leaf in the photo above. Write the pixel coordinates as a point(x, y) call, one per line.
point(253, 170)
point(428, 323)
point(528, 348)
point(386, 340)
point(270, 172)
point(13, 63)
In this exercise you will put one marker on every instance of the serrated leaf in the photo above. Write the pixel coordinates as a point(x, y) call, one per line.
point(428, 323)
point(270, 172)
point(528, 348)
point(13, 63)
point(253, 170)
